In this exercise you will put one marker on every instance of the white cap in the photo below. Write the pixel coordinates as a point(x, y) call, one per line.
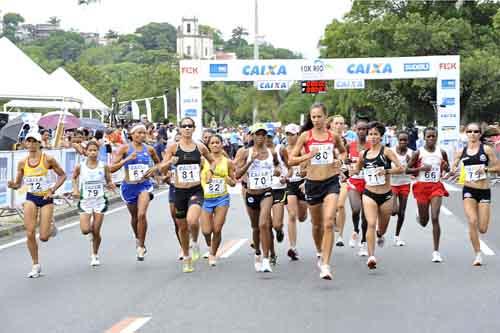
point(34, 135)
point(292, 128)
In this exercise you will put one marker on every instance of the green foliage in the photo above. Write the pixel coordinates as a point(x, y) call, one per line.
point(10, 23)
point(154, 36)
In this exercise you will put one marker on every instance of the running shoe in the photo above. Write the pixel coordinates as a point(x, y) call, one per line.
point(273, 260)
point(252, 245)
point(258, 263)
point(141, 253)
point(380, 241)
point(319, 262)
point(363, 250)
point(280, 235)
point(196, 252)
point(325, 272)
point(94, 260)
point(293, 254)
point(372, 262)
point(206, 255)
point(180, 256)
point(479, 260)
point(212, 261)
point(398, 241)
point(187, 265)
point(340, 241)
point(54, 230)
point(436, 257)
point(266, 266)
point(352, 241)
point(36, 271)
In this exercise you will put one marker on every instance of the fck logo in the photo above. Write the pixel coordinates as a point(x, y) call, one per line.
point(189, 70)
point(448, 66)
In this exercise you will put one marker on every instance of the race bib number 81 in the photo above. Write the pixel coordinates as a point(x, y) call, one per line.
point(188, 173)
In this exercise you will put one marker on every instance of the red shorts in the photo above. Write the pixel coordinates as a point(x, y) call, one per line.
point(355, 184)
point(424, 192)
point(403, 190)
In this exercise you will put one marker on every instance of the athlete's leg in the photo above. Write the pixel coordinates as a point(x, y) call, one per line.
point(219, 220)
point(328, 214)
point(278, 212)
point(142, 223)
point(436, 228)
point(484, 217)
point(384, 215)
point(317, 225)
point(132, 209)
point(96, 232)
point(207, 223)
point(46, 219)
point(85, 223)
point(355, 203)
point(403, 201)
point(265, 225)
point(30, 217)
point(471, 212)
point(370, 209)
point(292, 208)
point(340, 218)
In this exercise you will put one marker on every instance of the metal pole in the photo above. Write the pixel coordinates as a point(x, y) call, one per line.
point(255, 56)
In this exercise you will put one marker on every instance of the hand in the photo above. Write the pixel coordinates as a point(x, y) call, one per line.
point(111, 187)
point(173, 160)
point(150, 172)
point(313, 152)
point(49, 194)
point(283, 180)
point(381, 172)
point(277, 172)
point(425, 167)
point(337, 163)
point(11, 184)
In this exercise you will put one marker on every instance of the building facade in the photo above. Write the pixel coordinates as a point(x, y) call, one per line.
point(193, 44)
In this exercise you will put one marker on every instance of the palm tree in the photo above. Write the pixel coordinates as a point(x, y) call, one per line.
point(54, 20)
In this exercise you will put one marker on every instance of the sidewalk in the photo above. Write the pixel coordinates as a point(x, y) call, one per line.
point(10, 225)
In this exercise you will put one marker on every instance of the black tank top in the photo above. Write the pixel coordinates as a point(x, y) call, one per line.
point(479, 158)
point(188, 157)
point(379, 161)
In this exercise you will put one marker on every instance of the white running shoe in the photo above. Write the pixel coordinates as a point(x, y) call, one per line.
point(141, 253)
point(195, 252)
point(319, 262)
point(266, 266)
point(258, 263)
point(94, 260)
point(398, 241)
point(36, 270)
point(325, 272)
point(54, 231)
point(352, 241)
point(206, 255)
point(436, 257)
point(478, 261)
point(212, 261)
point(363, 250)
point(371, 262)
point(340, 241)
point(381, 241)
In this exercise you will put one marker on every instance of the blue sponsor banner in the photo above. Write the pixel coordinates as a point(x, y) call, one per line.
point(417, 67)
point(448, 84)
point(218, 70)
point(448, 101)
point(190, 113)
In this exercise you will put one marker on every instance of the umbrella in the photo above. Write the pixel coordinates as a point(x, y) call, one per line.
point(12, 128)
point(51, 120)
point(92, 124)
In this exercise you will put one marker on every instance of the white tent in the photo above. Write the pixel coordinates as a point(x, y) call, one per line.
point(70, 87)
point(21, 78)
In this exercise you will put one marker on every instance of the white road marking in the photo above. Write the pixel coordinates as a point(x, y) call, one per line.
point(446, 211)
point(67, 226)
point(233, 248)
point(486, 249)
point(135, 325)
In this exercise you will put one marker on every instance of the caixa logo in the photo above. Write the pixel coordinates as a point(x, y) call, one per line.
point(190, 113)
point(380, 68)
point(264, 70)
point(417, 67)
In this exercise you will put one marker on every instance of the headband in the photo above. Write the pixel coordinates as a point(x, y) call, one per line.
point(136, 127)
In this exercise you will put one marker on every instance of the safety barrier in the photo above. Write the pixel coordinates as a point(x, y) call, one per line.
point(67, 158)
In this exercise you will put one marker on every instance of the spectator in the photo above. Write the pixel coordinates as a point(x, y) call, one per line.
point(412, 136)
point(45, 139)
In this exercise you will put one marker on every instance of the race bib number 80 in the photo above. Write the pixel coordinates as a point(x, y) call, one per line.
point(324, 156)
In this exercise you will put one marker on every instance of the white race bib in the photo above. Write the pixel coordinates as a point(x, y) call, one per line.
point(324, 156)
point(188, 173)
point(216, 186)
point(432, 176)
point(372, 176)
point(260, 180)
point(474, 172)
point(93, 190)
point(136, 171)
point(36, 184)
point(296, 177)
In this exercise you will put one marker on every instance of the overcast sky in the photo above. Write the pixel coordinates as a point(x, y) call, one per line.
point(292, 24)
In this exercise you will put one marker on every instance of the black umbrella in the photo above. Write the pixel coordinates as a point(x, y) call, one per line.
point(12, 128)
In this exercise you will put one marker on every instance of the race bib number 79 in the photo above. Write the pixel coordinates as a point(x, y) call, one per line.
point(93, 190)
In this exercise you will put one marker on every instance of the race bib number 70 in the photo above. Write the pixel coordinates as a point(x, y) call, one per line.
point(260, 180)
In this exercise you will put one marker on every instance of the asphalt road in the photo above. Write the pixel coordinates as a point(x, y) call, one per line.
point(407, 292)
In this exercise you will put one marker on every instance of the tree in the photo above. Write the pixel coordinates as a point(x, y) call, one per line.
point(11, 22)
point(66, 46)
point(216, 34)
point(155, 36)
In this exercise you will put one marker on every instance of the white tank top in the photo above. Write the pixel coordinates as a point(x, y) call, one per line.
point(401, 179)
point(277, 185)
point(260, 172)
point(92, 181)
point(433, 159)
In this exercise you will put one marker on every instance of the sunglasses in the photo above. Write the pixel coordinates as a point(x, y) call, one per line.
point(473, 131)
point(290, 134)
point(187, 126)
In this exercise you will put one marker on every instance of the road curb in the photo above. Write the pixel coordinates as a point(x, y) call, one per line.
point(15, 228)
